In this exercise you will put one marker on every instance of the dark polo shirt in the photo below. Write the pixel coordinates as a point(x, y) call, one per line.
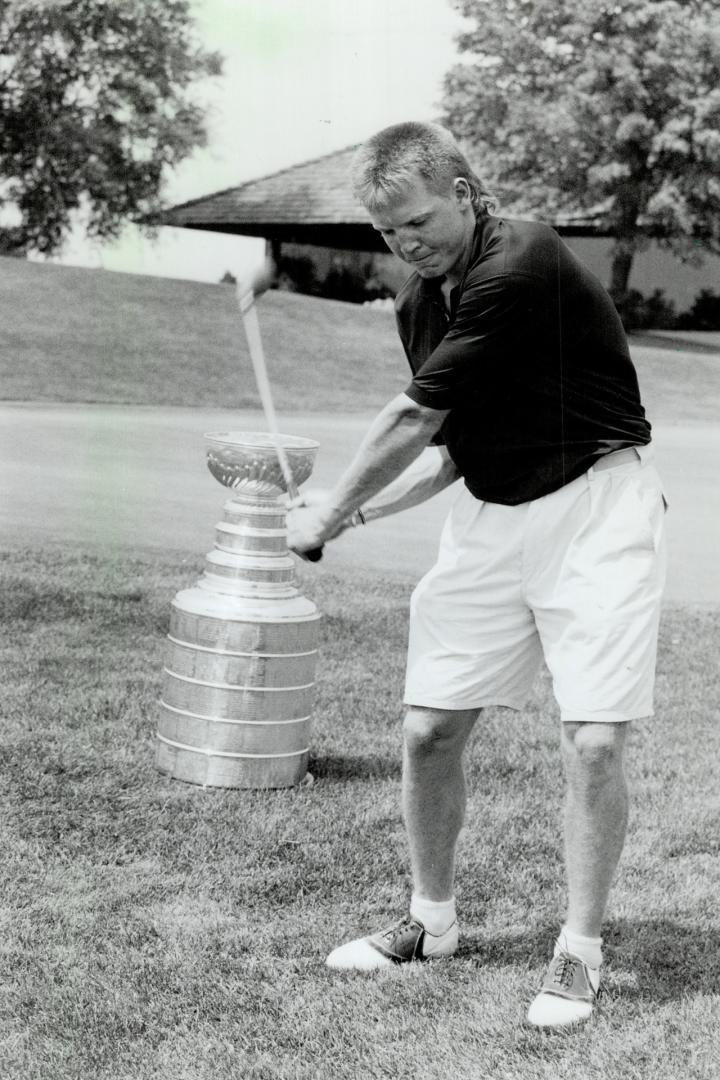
point(532, 362)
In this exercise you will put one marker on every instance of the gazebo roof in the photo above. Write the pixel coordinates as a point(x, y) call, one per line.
point(309, 203)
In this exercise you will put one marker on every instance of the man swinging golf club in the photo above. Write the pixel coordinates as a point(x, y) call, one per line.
point(522, 387)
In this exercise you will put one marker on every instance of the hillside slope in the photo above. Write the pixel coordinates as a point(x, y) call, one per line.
point(74, 334)
point(78, 335)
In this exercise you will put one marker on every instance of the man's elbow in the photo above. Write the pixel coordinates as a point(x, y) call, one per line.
point(426, 421)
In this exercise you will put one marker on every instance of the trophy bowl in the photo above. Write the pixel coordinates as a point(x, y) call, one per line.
point(247, 461)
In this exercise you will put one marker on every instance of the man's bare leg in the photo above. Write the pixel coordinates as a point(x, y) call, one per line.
point(434, 794)
point(434, 809)
point(596, 813)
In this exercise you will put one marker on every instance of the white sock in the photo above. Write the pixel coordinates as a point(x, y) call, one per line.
point(437, 916)
point(587, 949)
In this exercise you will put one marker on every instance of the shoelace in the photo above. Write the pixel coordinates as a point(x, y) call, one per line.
point(392, 931)
point(564, 972)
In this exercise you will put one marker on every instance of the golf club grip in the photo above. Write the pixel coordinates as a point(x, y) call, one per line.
point(315, 555)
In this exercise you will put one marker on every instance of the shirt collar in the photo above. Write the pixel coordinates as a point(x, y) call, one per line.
point(430, 287)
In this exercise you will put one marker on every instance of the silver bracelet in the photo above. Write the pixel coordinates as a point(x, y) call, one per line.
point(357, 518)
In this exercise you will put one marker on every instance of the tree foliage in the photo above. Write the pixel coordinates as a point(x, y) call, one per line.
point(94, 108)
point(597, 104)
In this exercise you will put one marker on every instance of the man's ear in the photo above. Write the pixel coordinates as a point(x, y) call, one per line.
point(462, 190)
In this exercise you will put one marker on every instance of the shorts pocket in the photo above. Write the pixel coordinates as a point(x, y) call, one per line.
point(622, 534)
point(625, 522)
point(653, 506)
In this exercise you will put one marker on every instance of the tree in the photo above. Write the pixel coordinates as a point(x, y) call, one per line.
point(607, 105)
point(94, 109)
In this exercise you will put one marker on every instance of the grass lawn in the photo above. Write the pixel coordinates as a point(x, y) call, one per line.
point(75, 334)
point(152, 929)
point(80, 335)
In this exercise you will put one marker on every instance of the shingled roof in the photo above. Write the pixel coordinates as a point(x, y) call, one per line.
point(310, 203)
point(307, 203)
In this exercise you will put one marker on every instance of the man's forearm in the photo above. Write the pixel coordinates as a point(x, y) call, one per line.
point(432, 471)
point(398, 435)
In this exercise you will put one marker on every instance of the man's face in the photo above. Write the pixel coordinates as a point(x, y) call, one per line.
point(432, 233)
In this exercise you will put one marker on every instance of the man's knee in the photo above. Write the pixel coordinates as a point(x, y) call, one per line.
point(592, 752)
point(437, 731)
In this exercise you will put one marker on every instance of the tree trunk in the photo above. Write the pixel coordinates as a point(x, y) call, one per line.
point(622, 260)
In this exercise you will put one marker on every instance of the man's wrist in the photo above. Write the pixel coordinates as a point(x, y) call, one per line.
point(357, 518)
point(334, 516)
point(353, 516)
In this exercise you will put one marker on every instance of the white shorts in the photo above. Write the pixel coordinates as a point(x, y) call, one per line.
point(576, 576)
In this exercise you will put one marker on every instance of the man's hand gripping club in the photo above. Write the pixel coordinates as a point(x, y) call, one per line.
point(396, 438)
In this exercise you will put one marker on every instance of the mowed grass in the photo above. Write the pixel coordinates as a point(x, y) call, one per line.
point(153, 929)
point(79, 335)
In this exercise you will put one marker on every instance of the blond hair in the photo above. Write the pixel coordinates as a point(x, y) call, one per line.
point(386, 161)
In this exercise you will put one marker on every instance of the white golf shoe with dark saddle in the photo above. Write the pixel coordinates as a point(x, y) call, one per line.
point(568, 994)
point(404, 942)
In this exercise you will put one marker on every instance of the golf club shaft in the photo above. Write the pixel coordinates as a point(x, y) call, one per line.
point(257, 356)
point(246, 300)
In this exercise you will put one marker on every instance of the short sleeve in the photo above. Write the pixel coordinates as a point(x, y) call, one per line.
point(492, 315)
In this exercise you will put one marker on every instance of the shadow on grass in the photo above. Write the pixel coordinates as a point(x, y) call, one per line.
point(357, 767)
point(502, 950)
point(659, 960)
point(669, 960)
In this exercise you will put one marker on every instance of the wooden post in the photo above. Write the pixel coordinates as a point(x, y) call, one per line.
point(273, 253)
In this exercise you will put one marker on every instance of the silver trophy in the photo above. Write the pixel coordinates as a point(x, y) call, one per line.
point(239, 680)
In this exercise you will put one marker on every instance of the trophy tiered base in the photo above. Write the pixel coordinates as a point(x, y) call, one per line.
point(239, 680)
